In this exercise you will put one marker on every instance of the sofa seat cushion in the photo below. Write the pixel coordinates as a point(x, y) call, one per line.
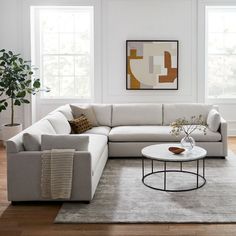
point(103, 130)
point(156, 134)
point(97, 144)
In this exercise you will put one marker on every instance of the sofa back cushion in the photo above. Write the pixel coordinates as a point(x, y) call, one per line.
point(136, 114)
point(171, 112)
point(103, 114)
point(30, 138)
point(66, 111)
point(59, 122)
point(32, 135)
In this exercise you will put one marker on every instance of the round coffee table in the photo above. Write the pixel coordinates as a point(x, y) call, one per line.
point(161, 153)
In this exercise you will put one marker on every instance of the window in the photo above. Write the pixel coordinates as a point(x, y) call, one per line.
point(63, 50)
point(221, 52)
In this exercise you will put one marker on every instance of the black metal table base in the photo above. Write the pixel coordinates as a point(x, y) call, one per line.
point(165, 171)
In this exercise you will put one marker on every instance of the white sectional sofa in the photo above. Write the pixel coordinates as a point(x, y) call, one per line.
point(124, 129)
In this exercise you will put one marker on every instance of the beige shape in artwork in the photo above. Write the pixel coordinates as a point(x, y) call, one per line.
point(140, 68)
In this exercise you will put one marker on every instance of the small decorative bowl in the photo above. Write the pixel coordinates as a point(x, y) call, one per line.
point(176, 150)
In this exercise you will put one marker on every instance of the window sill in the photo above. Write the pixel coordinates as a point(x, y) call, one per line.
point(64, 100)
point(221, 100)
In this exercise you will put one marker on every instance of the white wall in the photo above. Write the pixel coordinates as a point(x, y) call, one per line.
point(10, 38)
point(129, 19)
point(228, 110)
point(152, 19)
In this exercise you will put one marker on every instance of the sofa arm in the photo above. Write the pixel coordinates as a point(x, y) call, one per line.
point(24, 176)
point(15, 144)
point(224, 135)
point(65, 141)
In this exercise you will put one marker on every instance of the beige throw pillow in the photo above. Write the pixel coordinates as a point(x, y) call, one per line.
point(32, 142)
point(87, 111)
point(213, 120)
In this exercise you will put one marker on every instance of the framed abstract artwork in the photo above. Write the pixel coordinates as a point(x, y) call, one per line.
point(152, 64)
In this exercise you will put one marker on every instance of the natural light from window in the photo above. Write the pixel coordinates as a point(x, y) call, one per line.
point(63, 41)
point(221, 52)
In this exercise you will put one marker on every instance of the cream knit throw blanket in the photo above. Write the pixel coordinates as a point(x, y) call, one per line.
point(57, 172)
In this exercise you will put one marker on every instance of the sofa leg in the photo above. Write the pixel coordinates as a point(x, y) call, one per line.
point(13, 203)
point(86, 202)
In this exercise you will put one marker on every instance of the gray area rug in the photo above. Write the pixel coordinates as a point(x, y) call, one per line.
point(121, 196)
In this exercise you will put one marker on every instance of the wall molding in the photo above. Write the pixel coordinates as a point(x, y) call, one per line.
point(231, 127)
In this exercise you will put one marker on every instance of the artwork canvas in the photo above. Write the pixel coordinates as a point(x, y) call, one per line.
point(152, 64)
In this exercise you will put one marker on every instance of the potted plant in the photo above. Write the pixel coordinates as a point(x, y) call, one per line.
point(16, 84)
point(187, 127)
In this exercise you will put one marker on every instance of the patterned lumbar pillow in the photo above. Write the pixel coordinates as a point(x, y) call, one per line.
point(80, 124)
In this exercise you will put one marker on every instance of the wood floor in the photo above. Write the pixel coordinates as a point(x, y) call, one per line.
point(37, 219)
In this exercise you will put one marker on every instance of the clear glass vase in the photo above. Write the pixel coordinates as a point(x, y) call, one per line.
point(187, 142)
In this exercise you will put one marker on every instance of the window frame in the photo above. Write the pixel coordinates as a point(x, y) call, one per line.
point(27, 51)
point(202, 50)
point(37, 56)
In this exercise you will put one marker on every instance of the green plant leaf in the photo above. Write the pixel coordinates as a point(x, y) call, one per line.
point(21, 94)
point(15, 82)
point(28, 82)
point(5, 55)
point(36, 84)
point(25, 101)
point(2, 108)
point(8, 92)
point(17, 103)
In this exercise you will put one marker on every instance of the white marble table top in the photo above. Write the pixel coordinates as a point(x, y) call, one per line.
point(160, 152)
